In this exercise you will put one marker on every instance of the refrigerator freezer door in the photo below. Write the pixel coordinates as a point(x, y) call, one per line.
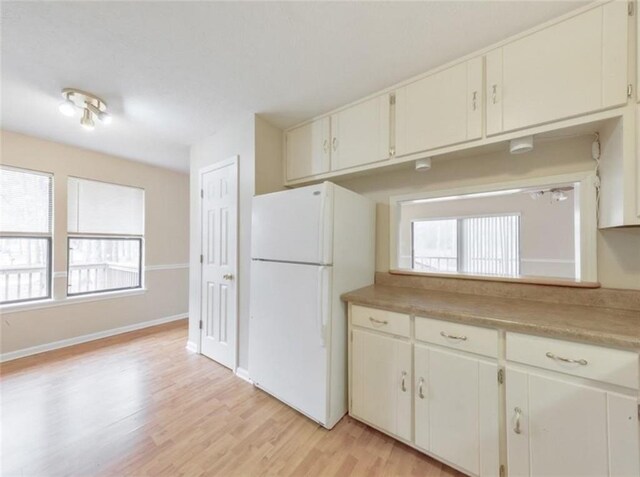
point(288, 336)
point(294, 225)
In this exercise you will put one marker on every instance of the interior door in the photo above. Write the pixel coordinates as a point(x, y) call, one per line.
point(219, 192)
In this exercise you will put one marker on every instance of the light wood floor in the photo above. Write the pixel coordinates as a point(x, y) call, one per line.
point(141, 404)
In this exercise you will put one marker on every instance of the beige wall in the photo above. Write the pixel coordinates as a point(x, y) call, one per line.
point(618, 249)
point(253, 140)
point(166, 244)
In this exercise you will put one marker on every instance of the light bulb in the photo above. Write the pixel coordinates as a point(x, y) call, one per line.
point(105, 117)
point(67, 107)
point(558, 195)
point(87, 120)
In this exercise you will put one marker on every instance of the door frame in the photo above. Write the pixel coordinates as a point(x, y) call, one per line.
point(230, 161)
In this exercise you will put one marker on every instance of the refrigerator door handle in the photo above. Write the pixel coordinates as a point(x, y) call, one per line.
point(324, 303)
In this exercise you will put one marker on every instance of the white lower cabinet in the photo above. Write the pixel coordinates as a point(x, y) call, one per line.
point(456, 409)
point(571, 409)
point(565, 408)
point(381, 381)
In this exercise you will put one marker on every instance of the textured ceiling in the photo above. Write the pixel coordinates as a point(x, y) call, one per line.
point(176, 72)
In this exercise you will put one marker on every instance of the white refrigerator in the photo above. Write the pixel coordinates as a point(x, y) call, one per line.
point(309, 245)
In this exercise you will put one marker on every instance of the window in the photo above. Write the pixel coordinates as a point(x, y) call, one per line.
point(25, 235)
point(474, 245)
point(106, 234)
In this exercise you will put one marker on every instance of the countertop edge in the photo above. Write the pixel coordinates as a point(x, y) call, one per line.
point(628, 343)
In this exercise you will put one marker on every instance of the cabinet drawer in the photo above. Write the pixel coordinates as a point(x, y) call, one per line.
point(469, 338)
point(578, 359)
point(381, 320)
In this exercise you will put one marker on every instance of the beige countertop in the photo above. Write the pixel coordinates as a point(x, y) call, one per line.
point(602, 326)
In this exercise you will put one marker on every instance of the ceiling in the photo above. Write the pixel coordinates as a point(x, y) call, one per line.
point(176, 72)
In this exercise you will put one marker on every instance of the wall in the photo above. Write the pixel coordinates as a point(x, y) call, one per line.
point(249, 138)
point(618, 249)
point(166, 245)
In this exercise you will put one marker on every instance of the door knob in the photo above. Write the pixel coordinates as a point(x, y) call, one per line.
point(227, 276)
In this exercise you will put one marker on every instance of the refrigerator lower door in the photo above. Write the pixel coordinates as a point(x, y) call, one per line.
point(288, 335)
point(294, 225)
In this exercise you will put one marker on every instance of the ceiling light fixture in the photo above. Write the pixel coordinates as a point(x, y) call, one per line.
point(537, 194)
point(90, 105)
point(521, 145)
point(423, 164)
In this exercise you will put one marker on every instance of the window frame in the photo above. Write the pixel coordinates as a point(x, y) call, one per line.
point(585, 201)
point(139, 239)
point(48, 236)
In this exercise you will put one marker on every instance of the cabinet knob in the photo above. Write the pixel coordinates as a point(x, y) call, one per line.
point(516, 426)
point(420, 390)
point(325, 146)
point(227, 276)
point(582, 362)
point(474, 100)
point(334, 143)
point(403, 383)
point(494, 93)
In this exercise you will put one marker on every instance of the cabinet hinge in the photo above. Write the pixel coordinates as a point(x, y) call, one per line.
point(500, 376)
point(629, 90)
point(630, 8)
point(201, 258)
point(200, 324)
point(502, 471)
point(392, 99)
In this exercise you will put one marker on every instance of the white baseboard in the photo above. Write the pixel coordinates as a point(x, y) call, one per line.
point(243, 374)
point(21, 353)
point(191, 346)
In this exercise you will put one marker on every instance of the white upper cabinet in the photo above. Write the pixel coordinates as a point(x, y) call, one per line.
point(360, 133)
point(570, 68)
point(308, 149)
point(440, 110)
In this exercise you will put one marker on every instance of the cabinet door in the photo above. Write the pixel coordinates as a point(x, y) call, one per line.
point(457, 409)
point(556, 426)
point(381, 382)
point(360, 134)
point(440, 110)
point(573, 67)
point(308, 149)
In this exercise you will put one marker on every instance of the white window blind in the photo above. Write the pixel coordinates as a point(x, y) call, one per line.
point(101, 208)
point(491, 245)
point(25, 201)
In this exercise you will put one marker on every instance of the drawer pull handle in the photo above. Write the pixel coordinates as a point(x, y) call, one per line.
point(516, 427)
point(403, 384)
point(453, 337)
point(420, 391)
point(581, 362)
point(378, 322)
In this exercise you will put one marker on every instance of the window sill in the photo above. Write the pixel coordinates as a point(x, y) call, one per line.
point(74, 300)
point(528, 280)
